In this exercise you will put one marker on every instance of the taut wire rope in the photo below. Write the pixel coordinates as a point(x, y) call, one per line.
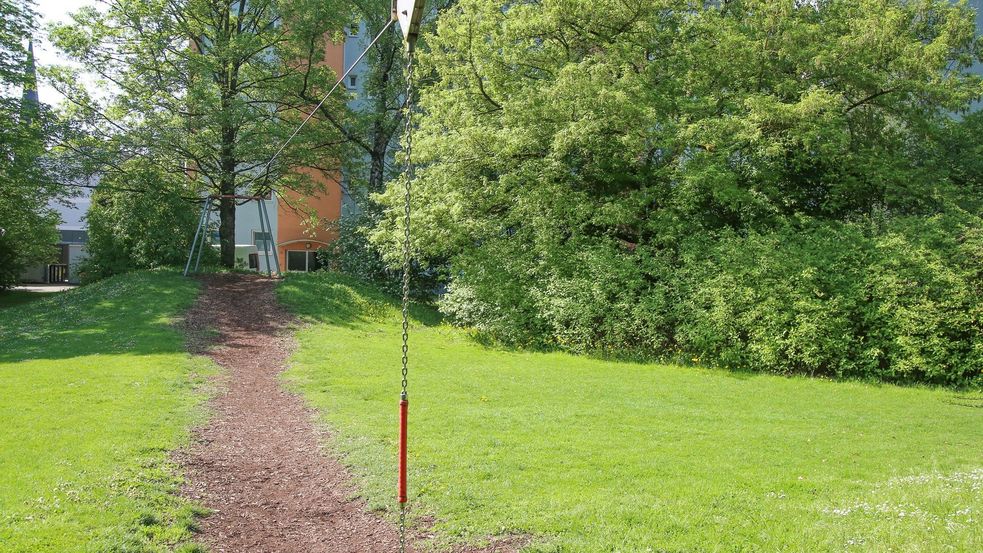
point(266, 168)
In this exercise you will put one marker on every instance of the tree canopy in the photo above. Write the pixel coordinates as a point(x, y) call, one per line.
point(207, 91)
point(575, 170)
point(27, 222)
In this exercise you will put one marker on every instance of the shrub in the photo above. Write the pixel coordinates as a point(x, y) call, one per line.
point(10, 263)
point(631, 192)
point(140, 230)
point(895, 299)
point(352, 254)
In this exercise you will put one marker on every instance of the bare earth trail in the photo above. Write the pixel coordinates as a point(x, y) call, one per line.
point(257, 463)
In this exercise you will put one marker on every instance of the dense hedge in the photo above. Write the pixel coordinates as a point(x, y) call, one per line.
point(899, 300)
point(758, 184)
point(353, 255)
point(895, 299)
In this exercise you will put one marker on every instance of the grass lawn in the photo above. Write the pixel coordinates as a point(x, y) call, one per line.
point(589, 455)
point(11, 298)
point(96, 389)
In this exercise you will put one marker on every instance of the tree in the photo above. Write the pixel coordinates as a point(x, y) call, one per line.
point(206, 91)
point(373, 129)
point(575, 169)
point(139, 230)
point(27, 223)
point(377, 121)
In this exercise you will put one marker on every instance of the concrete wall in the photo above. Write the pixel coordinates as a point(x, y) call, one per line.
point(248, 222)
point(76, 254)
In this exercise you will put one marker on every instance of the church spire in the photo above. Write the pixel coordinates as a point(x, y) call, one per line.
point(30, 102)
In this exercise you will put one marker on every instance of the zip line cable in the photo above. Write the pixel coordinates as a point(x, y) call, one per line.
point(266, 168)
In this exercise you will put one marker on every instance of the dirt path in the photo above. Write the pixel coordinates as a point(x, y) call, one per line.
point(257, 463)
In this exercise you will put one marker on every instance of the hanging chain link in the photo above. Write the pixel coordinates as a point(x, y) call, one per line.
point(402, 528)
point(406, 214)
point(408, 175)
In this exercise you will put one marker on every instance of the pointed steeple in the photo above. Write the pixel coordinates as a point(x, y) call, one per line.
point(30, 102)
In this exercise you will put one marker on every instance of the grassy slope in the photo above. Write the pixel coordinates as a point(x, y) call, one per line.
point(96, 389)
point(12, 298)
point(592, 456)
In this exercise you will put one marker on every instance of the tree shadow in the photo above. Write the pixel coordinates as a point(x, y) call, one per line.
point(340, 300)
point(130, 314)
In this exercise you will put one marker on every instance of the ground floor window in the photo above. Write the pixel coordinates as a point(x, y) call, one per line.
point(263, 241)
point(302, 260)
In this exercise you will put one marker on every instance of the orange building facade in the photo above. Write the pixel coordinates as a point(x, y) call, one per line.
point(301, 223)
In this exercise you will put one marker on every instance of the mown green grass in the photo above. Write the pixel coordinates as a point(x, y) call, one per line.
point(588, 455)
point(11, 298)
point(96, 390)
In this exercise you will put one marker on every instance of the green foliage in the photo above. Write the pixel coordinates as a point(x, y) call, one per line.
point(897, 300)
point(589, 455)
point(98, 389)
point(378, 117)
point(593, 181)
point(27, 223)
point(208, 91)
point(352, 254)
point(145, 226)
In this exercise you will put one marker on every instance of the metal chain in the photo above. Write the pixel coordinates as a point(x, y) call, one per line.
point(402, 528)
point(406, 214)
point(408, 175)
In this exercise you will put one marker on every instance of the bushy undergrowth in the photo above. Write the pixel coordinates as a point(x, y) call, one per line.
point(895, 299)
point(140, 230)
point(898, 301)
point(806, 203)
point(352, 254)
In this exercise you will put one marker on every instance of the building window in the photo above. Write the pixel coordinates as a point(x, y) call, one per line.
point(296, 260)
point(302, 260)
point(263, 241)
point(352, 79)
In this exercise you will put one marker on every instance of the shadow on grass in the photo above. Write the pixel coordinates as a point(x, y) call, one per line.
point(340, 300)
point(132, 313)
point(13, 298)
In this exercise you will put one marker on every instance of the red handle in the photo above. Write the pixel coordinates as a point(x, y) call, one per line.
point(404, 407)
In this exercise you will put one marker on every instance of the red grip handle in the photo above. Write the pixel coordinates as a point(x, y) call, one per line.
point(404, 407)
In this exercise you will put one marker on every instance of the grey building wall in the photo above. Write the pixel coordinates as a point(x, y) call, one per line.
point(978, 68)
point(356, 40)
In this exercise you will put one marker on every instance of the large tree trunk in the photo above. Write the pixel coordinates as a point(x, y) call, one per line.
point(227, 163)
point(227, 206)
point(377, 169)
point(381, 138)
point(227, 231)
